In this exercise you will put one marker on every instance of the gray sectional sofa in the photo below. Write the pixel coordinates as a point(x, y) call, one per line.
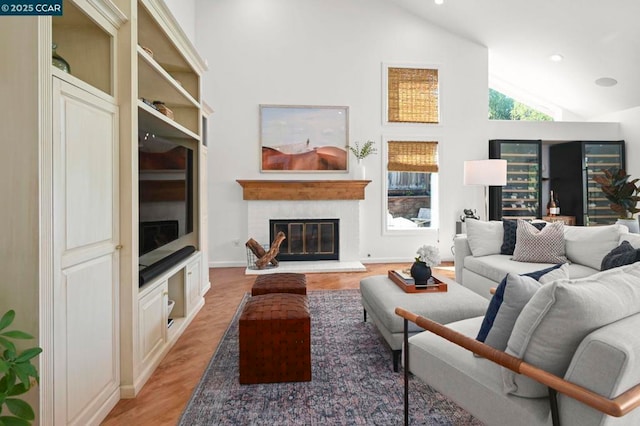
point(585, 248)
point(583, 329)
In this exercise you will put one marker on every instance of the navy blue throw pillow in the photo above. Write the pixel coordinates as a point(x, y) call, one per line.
point(498, 297)
point(624, 254)
point(509, 238)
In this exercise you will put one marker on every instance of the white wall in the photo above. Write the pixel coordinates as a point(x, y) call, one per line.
point(185, 13)
point(629, 131)
point(330, 52)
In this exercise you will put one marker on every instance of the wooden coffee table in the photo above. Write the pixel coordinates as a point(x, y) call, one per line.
point(380, 296)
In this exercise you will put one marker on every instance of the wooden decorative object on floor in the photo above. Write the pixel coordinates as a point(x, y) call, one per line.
point(273, 251)
point(257, 249)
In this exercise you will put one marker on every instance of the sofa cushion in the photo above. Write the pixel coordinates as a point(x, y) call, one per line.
point(497, 266)
point(472, 382)
point(633, 239)
point(544, 245)
point(510, 297)
point(622, 255)
point(606, 362)
point(560, 315)
point(509, 235)
point(588, 245)
point(484, 237)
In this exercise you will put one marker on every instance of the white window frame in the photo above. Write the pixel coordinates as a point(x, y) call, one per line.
point(433, 230)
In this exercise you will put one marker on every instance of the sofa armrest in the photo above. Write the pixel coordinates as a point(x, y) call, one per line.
point(461, 249)
point(617, 407)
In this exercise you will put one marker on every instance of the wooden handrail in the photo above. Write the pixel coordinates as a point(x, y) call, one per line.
point(617, 407)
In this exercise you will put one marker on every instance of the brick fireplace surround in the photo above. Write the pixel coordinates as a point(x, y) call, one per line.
point(307, 199)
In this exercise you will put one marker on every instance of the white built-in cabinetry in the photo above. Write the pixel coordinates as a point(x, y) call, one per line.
point(86, 259)
point(170, 73)
point(69, 176)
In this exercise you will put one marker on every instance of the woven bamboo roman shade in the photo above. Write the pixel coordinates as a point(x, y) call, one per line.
point(412, 157)
point(412, 95)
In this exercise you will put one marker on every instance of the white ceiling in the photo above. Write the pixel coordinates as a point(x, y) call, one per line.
point(598, 38)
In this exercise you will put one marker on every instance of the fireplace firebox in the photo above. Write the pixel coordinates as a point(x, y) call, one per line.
point(307, 239)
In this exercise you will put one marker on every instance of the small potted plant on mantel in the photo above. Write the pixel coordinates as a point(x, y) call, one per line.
point(361, 153)
point(622, 193)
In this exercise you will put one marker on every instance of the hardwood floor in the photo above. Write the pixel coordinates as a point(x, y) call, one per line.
point(163, 398)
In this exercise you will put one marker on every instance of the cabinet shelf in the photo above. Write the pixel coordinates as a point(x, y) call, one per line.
point(86, 43)
point(154, 121)
point(154, 83)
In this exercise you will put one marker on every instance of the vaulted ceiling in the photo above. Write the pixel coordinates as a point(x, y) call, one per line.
point(597, 39)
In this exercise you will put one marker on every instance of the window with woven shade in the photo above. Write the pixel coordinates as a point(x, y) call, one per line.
point(412, 156)
point(412, 95)
point(412, 174)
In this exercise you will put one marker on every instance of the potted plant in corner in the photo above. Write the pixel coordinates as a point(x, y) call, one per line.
point(622, 193)
point(361, 153)
point(16, 373)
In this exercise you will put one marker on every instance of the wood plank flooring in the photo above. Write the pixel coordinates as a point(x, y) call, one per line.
point(163, 398)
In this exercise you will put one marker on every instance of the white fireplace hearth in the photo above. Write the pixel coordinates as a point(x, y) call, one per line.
point(347, 211)
point(307, 199)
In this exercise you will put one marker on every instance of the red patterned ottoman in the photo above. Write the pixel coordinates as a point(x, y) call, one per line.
point(284, 282)
point(275, 339)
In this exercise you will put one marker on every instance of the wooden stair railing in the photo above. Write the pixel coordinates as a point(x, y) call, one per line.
point(617, 407)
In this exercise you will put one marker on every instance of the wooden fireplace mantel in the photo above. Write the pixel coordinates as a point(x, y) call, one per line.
point(305, 190)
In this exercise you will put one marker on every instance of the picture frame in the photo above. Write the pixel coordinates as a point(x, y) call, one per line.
point(303, 138)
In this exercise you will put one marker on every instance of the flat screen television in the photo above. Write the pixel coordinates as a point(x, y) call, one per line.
point(165, 191)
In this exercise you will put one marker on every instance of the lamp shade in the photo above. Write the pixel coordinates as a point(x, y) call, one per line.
point(485, 172)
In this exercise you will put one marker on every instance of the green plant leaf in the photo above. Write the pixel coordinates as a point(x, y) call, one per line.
point(15, 334)
point(7, 319)
point(7, 381)
point(4, 366)
point(13, 421)
point(21, 374)
point(18, 389)
point(7, 344)
point(29, 369)
point(28, 354)
point(20, 408)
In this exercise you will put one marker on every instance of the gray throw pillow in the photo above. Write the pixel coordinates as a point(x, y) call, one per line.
point(518, 291)
point(539, 246)
point(484, 238)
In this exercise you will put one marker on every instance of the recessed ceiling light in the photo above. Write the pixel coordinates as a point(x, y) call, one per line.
point(556, 57)
point(438, 1)
point(606, 82)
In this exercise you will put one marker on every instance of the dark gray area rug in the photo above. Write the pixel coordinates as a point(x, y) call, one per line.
point(353, 382)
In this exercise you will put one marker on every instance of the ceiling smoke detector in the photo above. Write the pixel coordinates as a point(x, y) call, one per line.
point(606, 82)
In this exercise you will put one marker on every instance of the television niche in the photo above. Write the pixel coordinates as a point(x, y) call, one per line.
point(165, 192)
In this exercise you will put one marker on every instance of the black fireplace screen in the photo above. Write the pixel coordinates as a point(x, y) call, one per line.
point(307, 239)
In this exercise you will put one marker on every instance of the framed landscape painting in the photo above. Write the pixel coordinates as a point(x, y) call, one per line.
point(304, 138)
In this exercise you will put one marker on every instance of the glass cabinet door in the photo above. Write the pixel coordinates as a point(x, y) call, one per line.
point(520, 198)
point(598, 157)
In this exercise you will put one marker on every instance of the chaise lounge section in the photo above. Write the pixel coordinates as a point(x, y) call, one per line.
point(576, 336)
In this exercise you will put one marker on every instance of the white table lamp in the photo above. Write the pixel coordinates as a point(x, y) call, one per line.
point(485, 173)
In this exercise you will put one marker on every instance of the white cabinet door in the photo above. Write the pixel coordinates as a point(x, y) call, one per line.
point(152, 309)
point(85, 256)
point(194, 274)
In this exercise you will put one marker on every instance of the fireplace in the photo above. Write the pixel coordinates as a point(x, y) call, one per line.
point(307, 239)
